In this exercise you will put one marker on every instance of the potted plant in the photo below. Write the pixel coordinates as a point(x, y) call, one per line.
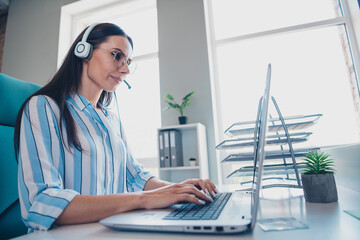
point(318, 178)
point(192, 162)
point(179, 107)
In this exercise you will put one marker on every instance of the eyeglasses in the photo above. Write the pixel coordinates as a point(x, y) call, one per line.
point(120, 60)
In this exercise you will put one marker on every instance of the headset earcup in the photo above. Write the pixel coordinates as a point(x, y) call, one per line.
point(83, 50)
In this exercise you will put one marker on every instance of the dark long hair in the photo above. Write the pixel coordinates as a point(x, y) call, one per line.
point(67, 79)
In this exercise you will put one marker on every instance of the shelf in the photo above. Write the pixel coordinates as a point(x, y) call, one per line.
point(193, 142)
point(183, 126)
point(180, 168)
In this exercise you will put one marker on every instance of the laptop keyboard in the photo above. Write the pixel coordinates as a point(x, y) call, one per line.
point(208, 211)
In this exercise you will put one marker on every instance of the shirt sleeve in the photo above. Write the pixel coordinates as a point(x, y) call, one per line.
point(41, 166)
point(136, 176)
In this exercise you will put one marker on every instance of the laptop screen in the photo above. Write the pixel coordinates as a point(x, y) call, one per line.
point(259, 146)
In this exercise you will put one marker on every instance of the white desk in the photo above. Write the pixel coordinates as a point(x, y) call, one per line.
point(325, 221)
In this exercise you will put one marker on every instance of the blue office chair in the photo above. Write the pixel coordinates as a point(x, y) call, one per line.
point(13, 93)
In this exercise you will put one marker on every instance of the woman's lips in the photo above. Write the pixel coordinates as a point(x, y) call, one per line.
point(117, 79)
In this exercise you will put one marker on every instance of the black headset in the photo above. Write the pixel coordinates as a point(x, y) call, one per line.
point(83, 49)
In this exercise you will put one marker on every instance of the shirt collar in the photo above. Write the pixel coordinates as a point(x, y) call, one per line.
point(78, 101)
point(81, 102)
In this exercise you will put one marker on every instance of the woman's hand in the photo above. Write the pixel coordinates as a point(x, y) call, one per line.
point(186, 191)
point(204, 184)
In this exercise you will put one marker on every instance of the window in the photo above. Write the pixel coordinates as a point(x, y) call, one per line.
point(139, 107)
point(313, 71)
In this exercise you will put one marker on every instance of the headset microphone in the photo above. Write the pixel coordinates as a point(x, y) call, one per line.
point(127, 84)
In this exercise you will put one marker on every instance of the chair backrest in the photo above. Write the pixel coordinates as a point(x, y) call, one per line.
point(13, 93)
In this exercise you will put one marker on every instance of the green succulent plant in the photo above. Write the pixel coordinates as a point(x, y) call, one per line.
point(318, 163)
point(179, 107)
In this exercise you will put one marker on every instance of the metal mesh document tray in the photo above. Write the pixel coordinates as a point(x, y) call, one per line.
point(270, 155)
point(272, 169)
point(298, 122)
point(272, 139)
point(283, 131)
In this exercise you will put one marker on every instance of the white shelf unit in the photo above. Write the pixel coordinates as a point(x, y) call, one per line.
point(194, 145)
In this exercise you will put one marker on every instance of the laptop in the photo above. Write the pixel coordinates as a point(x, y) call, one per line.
point(239, 208)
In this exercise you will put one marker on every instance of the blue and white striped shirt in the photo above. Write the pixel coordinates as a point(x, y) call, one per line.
point(51, 174)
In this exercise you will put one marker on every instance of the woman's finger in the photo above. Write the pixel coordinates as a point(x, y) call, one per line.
point(202, 185)
point(199, 183)
point(206, 185)
point(192, 190)
point(210, 188)
point(190, 198)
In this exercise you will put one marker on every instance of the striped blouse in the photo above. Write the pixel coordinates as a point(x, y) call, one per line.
point(51, 174)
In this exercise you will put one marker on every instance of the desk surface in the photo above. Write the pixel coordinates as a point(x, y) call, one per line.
point(325, 221)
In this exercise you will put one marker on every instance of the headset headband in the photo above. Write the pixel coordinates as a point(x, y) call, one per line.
point(83, 49)
point(88, 31)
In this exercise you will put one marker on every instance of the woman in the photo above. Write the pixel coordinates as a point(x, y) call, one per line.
point(72, 152)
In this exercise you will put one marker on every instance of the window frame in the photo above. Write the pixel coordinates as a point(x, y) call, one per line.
point(345, 20)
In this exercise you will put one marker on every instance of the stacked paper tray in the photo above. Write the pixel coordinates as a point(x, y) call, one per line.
point(292, 123)
point(270, 155)
point(280, 139)
point(272, 169)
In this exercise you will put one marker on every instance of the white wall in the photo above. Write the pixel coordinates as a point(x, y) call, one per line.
point(347, 165)
point(31, 40)
point(184, 65)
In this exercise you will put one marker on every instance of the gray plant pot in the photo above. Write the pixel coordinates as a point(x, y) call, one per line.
point(319, 188)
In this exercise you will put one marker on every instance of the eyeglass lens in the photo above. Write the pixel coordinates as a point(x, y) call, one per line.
point(120, 61)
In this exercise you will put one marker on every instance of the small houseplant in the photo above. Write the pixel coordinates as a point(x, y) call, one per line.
point(318, 178)
point(179, 107)
point(192, 161)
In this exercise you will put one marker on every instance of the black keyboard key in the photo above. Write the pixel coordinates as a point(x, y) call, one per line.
point(192, 211)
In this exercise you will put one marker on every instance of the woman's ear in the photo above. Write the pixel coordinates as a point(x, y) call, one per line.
point(85, 63)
